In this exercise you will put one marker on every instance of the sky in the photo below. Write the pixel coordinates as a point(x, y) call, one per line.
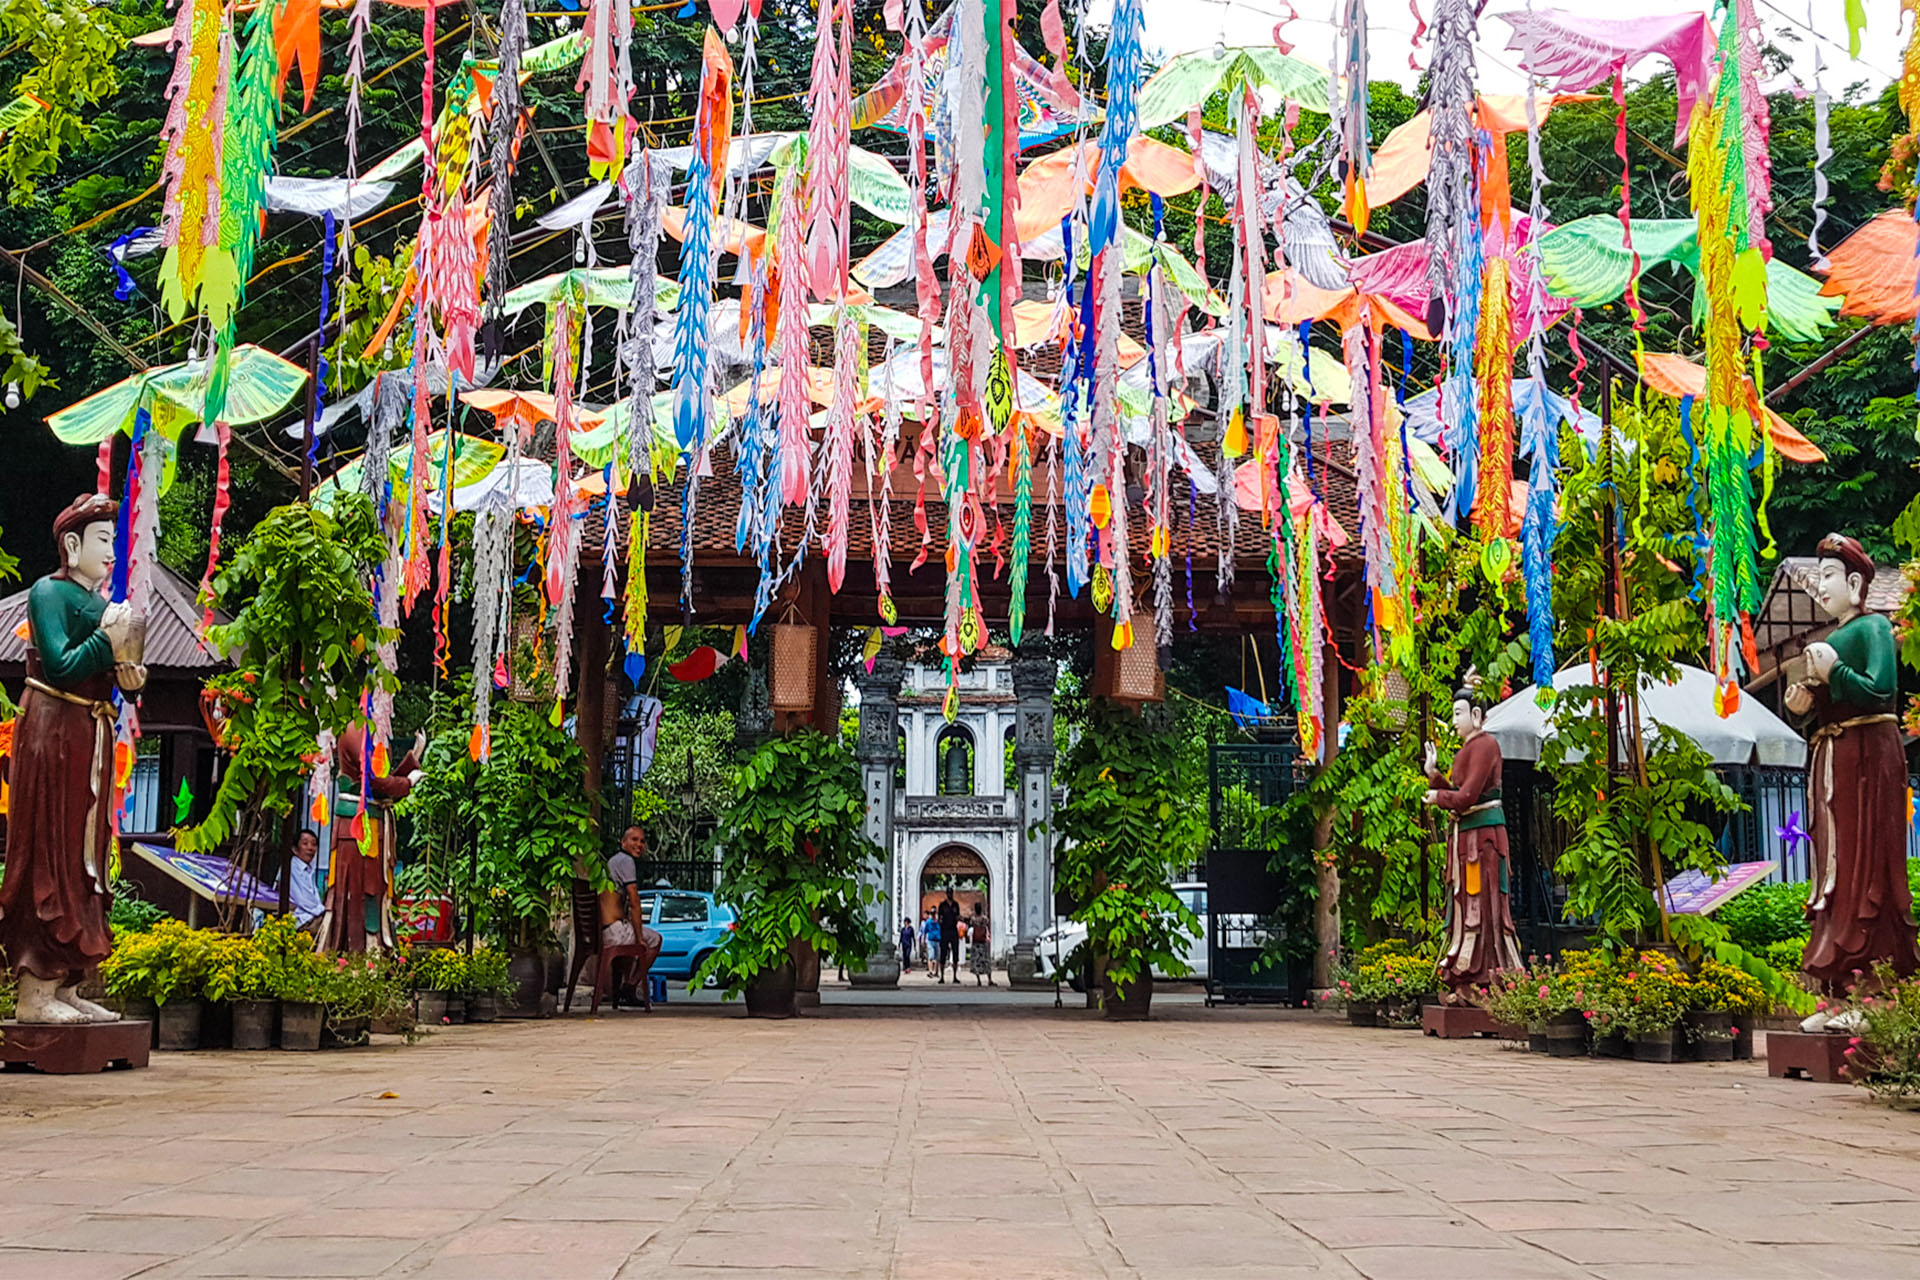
point(1181, 26)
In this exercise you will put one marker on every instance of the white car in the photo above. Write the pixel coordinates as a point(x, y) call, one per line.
point(1055, 945)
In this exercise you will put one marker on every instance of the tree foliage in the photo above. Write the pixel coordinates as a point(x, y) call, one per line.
point(302, 643)
point(1126, 828)
point(795, 861)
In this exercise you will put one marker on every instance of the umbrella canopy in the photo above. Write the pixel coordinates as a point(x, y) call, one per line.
point(1751, 735)
point(262, 384)
point(1189, 79)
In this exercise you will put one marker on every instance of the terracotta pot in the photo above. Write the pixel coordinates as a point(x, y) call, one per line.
point(1566, 1035)
point(300, 1024)
point(253, 1023)
point(1133, 1004)
point(180, 1024)
point(806, 974)
point(1362, 1014)
point(1657, 1047)
point(770, 993)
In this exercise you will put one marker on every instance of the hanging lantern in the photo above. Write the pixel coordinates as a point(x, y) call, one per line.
point(794, 648)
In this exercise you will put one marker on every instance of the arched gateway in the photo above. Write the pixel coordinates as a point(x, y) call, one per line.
point(976, 787)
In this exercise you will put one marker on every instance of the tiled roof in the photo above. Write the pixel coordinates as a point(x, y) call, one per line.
point(173, 622)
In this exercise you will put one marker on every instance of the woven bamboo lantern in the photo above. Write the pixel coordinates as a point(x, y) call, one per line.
point(791, 678)
point(1136, 673)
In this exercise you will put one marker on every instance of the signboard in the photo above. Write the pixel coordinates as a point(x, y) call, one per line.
point(210, 876)
point(1692, 893)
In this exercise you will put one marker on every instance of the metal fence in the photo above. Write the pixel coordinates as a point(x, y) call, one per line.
point(697, 875)
point(1770, 794)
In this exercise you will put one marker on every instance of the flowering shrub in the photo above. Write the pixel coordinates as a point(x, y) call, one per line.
point(1721, 988)
point(1889, 1040)
point(1525, 997)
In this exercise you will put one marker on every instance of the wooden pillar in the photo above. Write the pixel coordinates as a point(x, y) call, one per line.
point(1326, 906)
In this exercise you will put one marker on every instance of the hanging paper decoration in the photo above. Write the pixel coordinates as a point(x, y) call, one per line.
point(606, 76)
point(1350, 109)
point(194, 130)
point(507, 117)
point(712, 130)
point(827, 144)
point(795, 459)
point(1124, 61)
point(1733, 276)
point(1493, 372)
point(698, 665)
point(1539, 432)
point(563, 535)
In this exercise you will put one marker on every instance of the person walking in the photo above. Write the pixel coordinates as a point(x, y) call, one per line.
point(950, 937)
point(930, 931)
point(979, 950)
point(906, 943)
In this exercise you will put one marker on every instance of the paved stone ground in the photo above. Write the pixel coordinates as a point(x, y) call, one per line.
point(961, 1138)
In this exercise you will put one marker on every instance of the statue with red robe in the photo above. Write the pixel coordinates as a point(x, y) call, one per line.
point(359, 914)
point(1480, 936)
point(1859, 903)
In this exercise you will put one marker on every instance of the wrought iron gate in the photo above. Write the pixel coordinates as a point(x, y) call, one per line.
point(1257, 853)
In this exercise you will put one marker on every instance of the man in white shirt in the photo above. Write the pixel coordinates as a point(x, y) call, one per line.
point(303, 887)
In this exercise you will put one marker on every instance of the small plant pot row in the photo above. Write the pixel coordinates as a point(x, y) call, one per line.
point(187, 1025)
point(1393, 1015)
point(1702, 1036)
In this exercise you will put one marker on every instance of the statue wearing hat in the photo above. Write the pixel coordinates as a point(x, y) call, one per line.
point(53, 900)
point(1480, 935)
point(1859, 904)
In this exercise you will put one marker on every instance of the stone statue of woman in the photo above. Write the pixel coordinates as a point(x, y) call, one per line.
point(54, 898)
point(1859, 904)
point(1480, 936)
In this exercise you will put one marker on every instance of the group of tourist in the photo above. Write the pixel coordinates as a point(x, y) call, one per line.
point(936, 942)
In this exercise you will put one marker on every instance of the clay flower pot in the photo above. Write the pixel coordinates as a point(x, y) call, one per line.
point(770, 993)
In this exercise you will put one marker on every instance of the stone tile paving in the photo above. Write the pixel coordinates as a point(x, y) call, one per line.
point(985, 1138)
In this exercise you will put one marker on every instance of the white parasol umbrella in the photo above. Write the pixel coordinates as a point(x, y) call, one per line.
point(1751, 735)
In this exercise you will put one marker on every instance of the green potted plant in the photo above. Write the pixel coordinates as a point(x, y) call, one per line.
point(1128, 824)
point(1519, 1000)
point(1723, 997)
point(797, 866)
point(1647, 1006)
point(488, 983)
point(302, 982)
point(165, 965)
point(438, 975)
point(237, 973)
point(522, 820)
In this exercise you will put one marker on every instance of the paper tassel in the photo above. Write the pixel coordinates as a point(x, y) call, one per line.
point(1493, 373)
point(880, 488)
point(849, 360)
point(795, 458)
point(1451, 203)
point(194, 130)
point(1124, 62)
point(1350, 110)
point(1370, 480)
point(506, 117)
point(359, 23)
point(607, 79)
point(827, 149)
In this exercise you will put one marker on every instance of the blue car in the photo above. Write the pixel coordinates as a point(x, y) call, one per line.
point(692, 926)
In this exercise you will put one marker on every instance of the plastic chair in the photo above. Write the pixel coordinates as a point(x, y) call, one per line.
point(587, 941)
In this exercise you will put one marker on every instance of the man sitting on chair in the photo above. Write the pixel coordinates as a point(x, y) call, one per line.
point(623, 921)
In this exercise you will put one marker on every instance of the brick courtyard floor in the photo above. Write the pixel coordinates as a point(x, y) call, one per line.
point(951, 1140)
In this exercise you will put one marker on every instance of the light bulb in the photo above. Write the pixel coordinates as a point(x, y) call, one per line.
point(1219, 49)
point(13, 395)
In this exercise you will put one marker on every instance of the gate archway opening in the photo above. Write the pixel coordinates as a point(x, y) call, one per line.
point(960, 869)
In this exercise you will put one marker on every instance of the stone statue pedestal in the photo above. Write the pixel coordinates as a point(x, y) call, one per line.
point(882, 971)
point(1023, 972)
point(1457, 1021)
point(1818, 1056)
point(76, 1048)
